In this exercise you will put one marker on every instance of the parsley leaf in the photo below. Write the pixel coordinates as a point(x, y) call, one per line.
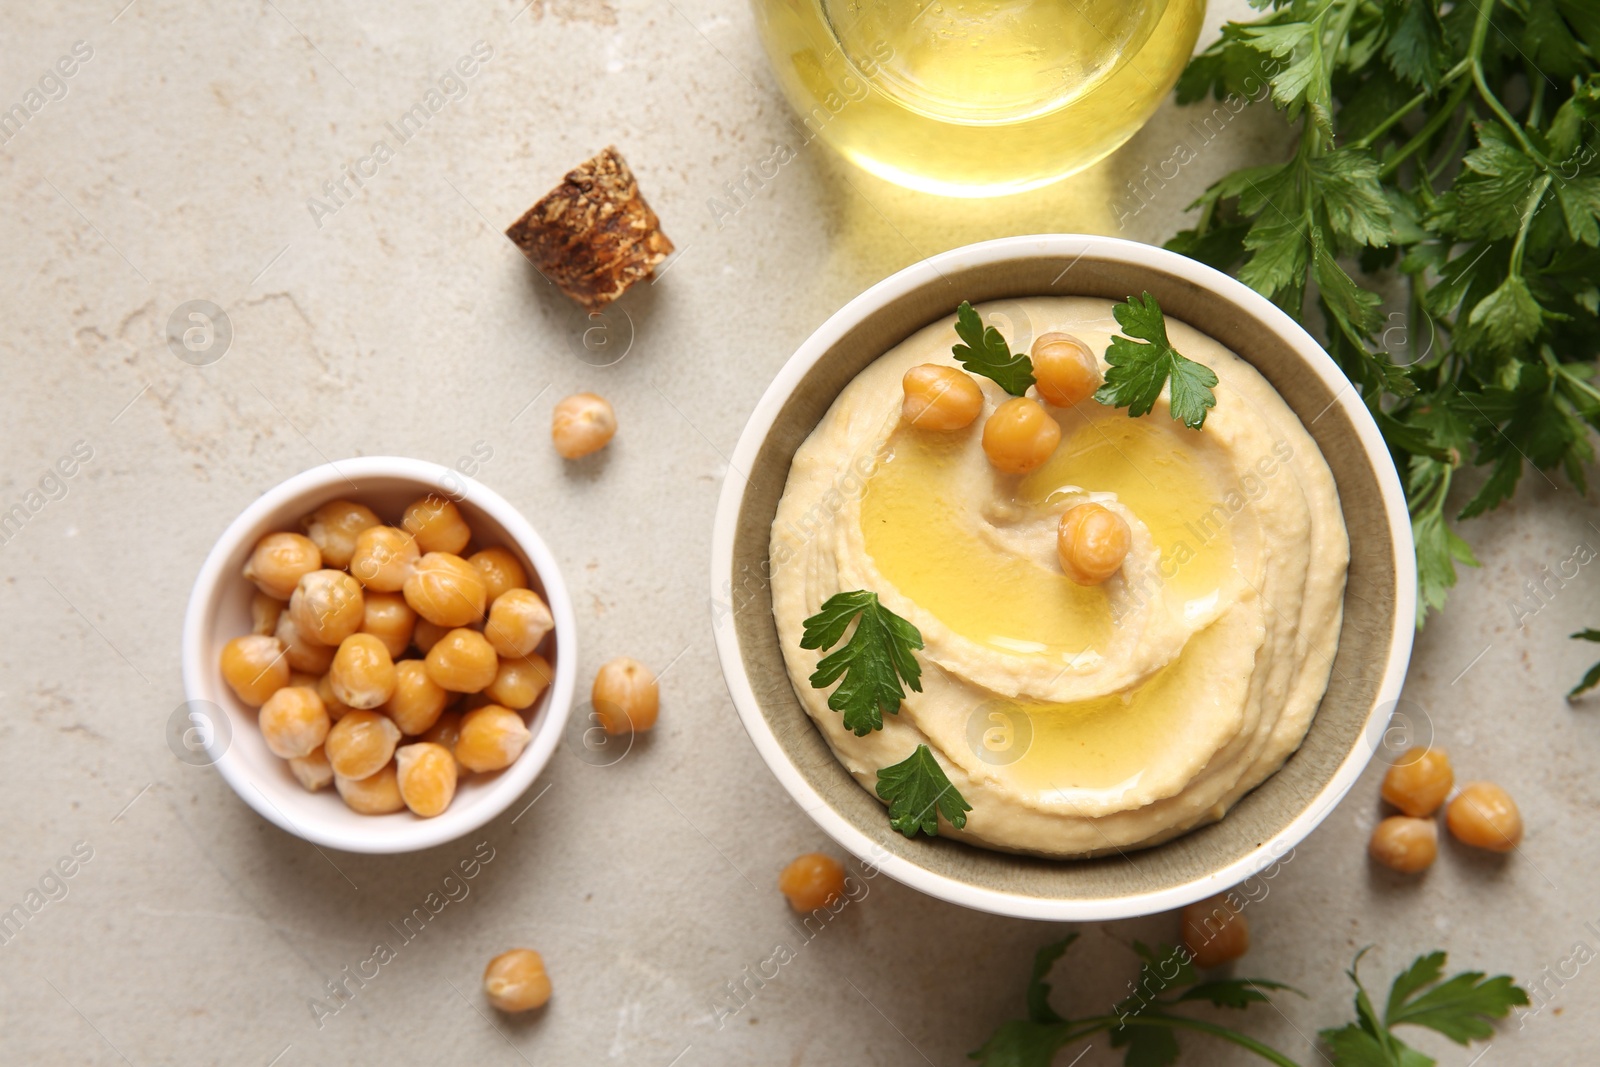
point(1591, 677)
point(1138, 371)
point(918, 792)
point(986, 352)
point(873, 663)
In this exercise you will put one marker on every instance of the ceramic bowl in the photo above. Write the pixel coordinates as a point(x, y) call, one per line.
point(1374, 647)
point(219, 610)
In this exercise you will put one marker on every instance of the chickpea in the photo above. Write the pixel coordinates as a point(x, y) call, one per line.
point(1419, 781)
point(377, 794)
point(581, 424)
point(1020, 436)
point(336, 708)
point(518, 621)
point(427, 634)
point(255, 666)
point(1404, 843)
point(1214, 931)
point(417, 701)
point(334, 527)
point(310, 681)
point(436, 525)
point(1064, 370)
point(519, 682)
point(361, 743)
point(303, 654)
point(312, 771)
point(446, 590)
point(1484, 816)
point(1091, 542)
point(327, 606)
point(293, 722)
point(390, 619)
point(279, 561)
point(625, 696)
point(383, 558)
point(362, 674)
point(462, 661)
point(940, 398)
point(492, 737)
point(812, 881)
point(516, 981)
point(445, 733)
point(501, 571)
point(264, 612)
point(427, 777)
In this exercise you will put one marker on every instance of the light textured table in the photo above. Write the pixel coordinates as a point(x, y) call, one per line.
point(178, 166)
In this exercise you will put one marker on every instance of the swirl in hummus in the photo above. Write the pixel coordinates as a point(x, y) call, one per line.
point(1075, 719)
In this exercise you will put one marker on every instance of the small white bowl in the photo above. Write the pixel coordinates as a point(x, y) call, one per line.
point(1261, 830)
point(219, 610)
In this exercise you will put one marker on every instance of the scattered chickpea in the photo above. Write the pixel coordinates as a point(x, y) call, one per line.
point(625, 696)
point(519, 682)
point(1405, 843)
point(383, 558)
point(390, 619)
point(336, 708)
point(518, 621)
point(377, 794)
point(1419, 781)
point(436, 525)
point(1214, 931)
point(501, 571)
point(516, 981)
point(446, 589)
point(426, 775)
point(293, 722)
point(814, 880)
point(1065, 371)
point(362, 674)
point(581, 424)
point(427, 634)
point(1484, 816)
point(417, 701)
point(279, 561)
point(462, 661)
point(312, 771)
point(255, 667)
point(334, 527)
point(264, 612)
point(1091, 542)
point(940, 398)
point(303, 654)
point(361, 743)
point(492, 737)
point(1020, 435)
point(327, 606)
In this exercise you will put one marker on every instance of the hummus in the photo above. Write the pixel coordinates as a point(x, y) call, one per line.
point(1075, 719)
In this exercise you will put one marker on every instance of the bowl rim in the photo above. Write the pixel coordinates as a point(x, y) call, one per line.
point(514, 781)
point(1068, 247)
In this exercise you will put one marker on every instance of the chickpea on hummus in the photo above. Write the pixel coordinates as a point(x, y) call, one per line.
point(1121, 639)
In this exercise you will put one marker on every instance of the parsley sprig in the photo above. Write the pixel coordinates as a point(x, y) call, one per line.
point(873, 663)
point(985, 352)
point(1410, 161)
point(1147, 1024)
point(918, 792)
point(1139, 369)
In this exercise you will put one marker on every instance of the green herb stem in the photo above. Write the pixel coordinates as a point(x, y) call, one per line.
point(1426, 133)
point(1480, 34)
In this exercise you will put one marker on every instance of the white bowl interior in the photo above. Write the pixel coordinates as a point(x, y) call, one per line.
point(220, 610)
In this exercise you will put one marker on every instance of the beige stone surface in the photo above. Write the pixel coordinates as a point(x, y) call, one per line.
point(177, 167)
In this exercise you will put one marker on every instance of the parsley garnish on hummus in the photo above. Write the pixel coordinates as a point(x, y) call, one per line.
point(918, 792)
point(873, 663)
point(1139, 369)
point(986, 352)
